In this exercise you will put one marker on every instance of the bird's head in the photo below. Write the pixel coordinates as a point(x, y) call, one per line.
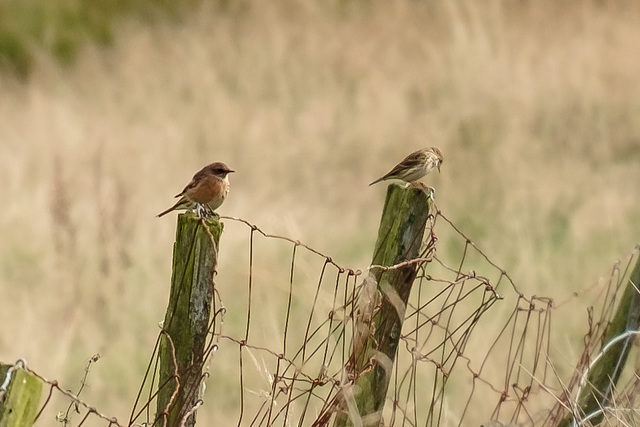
point(220, 169)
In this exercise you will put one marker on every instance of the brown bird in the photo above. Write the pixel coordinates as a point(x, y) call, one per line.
point(206, 191)
point(415, 165)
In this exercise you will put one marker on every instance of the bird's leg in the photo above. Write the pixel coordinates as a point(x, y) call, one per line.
point(200, 210)
point(431, 192)
point(209, 212)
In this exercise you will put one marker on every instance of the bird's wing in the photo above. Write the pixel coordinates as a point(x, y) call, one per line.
point(411, 161)
point(194, 181)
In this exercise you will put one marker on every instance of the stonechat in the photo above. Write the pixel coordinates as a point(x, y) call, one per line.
point(206, 191)
point(415, 165)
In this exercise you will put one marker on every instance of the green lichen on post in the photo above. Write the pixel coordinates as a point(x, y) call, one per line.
point(21, 400)
point(187, 318)
point(400, 238)
point(604, 375)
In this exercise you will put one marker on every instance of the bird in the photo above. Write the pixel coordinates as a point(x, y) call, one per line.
point(415, 165)
point(206, 191)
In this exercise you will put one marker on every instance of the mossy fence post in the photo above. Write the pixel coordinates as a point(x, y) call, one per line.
point(597, 391)
point(186, 323)
point(400, 239)
point(19, 396)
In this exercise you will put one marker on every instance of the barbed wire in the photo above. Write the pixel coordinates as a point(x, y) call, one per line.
point(53, 385)
point(460, 336)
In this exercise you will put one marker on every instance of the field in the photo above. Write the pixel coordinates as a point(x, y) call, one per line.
point(535, 105)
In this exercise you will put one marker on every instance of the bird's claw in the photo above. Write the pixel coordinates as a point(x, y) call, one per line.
point(204, 211)
point(201, 211)
point(431, 192)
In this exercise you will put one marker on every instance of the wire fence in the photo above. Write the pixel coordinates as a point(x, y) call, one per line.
point(473, 349)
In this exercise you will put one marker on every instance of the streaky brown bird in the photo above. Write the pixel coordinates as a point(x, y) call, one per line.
point(415, 165)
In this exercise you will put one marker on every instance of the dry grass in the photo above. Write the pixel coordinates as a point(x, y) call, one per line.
point(535, 106)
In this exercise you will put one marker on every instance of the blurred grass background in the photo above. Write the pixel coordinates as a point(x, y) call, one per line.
point(107, 111)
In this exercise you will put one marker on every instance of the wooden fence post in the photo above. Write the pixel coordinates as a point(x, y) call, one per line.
point(186, 323)
point(19, 401)
point(400, 239)
point(597, 391)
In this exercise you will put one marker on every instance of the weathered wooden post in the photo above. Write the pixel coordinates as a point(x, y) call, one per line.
point(19, 396)
point(186, 323)
point(597, 391)
point(400, 238)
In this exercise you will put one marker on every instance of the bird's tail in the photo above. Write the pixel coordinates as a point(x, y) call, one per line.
point(378, 180)
point(183, 203)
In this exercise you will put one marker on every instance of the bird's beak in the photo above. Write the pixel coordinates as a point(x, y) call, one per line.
point(439, 168)
point(234, 171)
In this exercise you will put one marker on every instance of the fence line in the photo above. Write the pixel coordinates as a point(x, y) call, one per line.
point(468, 330)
